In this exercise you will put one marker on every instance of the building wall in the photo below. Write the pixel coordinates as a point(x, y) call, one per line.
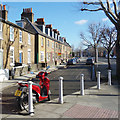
point(16, 45)
point(50, 55)
point(41, 49)
point(24, 47)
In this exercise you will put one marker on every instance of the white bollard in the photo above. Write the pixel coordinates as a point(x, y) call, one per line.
point(61, 90)
point(30, 100)
point(98, 80)
point(109, 77)
point(82, 84)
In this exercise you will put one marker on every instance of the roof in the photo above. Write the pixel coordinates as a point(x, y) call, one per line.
point(33, 27)
point(14, 25)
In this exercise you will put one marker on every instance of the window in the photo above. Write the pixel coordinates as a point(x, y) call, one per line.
point(29, 56)
point(1, 36)
point(42, 56)
point(29, 39)
point(11, 56)
point(52, 45)
point(42, 42)
point(20, 57)
point(20, 36)
point(47, 56)
point(21, 24)
point(0, 26)
point(11, 33)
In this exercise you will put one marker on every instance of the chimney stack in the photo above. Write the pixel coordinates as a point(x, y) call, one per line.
point(27, 12)
point(49, 26)
point(40, 21)
point(3, 12)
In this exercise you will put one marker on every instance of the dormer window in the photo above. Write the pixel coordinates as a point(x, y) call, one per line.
point(21, 24)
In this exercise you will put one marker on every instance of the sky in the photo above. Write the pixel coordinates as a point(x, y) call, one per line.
point(64, 16)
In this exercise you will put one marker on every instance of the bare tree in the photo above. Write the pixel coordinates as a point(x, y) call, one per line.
point(7, 45)
point(114, 17)
point(94, 39)
point(108, 40)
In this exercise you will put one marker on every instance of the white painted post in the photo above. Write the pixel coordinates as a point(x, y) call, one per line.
point(82, 84)
point(61, 90)
point(109, 77)
point(98, 80)
point(30, 100)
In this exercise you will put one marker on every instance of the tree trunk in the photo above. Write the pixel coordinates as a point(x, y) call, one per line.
point(118, 55)
point(96, 55)
point(109, 66)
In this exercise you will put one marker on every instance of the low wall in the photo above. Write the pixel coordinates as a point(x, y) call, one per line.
point(4, 74)
point(22, 70)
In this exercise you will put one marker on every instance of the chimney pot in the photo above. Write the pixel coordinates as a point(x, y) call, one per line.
point(49, 26)
point(40, 20)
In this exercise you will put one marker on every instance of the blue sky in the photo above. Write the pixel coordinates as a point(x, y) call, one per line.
point(64, 16)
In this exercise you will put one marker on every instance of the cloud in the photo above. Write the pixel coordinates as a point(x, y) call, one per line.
point(81, 22)
point(104, 19)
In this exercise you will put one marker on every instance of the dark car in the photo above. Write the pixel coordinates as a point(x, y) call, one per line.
point(90, 61)
point(71, 62)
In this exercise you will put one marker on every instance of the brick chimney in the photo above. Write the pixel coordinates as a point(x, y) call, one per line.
point(41, 24)
point(48, 29)
point(27, 12)
point(3, 12)
point(40, 21)
point(49, 26)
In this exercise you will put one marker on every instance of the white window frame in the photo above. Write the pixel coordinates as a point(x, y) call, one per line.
point(20, 36)
point(1, 26)
point(42, 42)
point(29, 39)
point(52, 44)
point(29, 59)
point(12, 49)
point(47, 56)
point(11, 33)
point(42, 57)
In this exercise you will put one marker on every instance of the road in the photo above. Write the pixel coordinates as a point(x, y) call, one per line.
point(71, 84)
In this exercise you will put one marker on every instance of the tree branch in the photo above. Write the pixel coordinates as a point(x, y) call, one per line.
point(106, 13)
point(115, 8)
point(84, 9)
point(91, 3)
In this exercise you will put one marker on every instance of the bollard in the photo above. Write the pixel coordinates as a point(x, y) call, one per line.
point(61, 90)
point(93, 72)
point(109, 77)
point(30, 100)
point(82, 84)
point(98, 80)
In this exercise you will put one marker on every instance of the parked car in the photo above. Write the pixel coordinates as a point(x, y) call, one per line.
point(77, 59)
point(71, 61)
point(89, 61)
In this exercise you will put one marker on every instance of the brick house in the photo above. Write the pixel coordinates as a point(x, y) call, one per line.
point(46, 38)
point(17, 43)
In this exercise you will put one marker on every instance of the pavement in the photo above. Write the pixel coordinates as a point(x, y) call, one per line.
point(103, 103)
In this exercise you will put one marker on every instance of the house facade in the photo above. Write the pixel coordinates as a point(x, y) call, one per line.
point(28, 42)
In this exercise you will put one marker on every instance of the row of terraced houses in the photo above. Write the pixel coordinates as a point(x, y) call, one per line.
point(30, 43)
